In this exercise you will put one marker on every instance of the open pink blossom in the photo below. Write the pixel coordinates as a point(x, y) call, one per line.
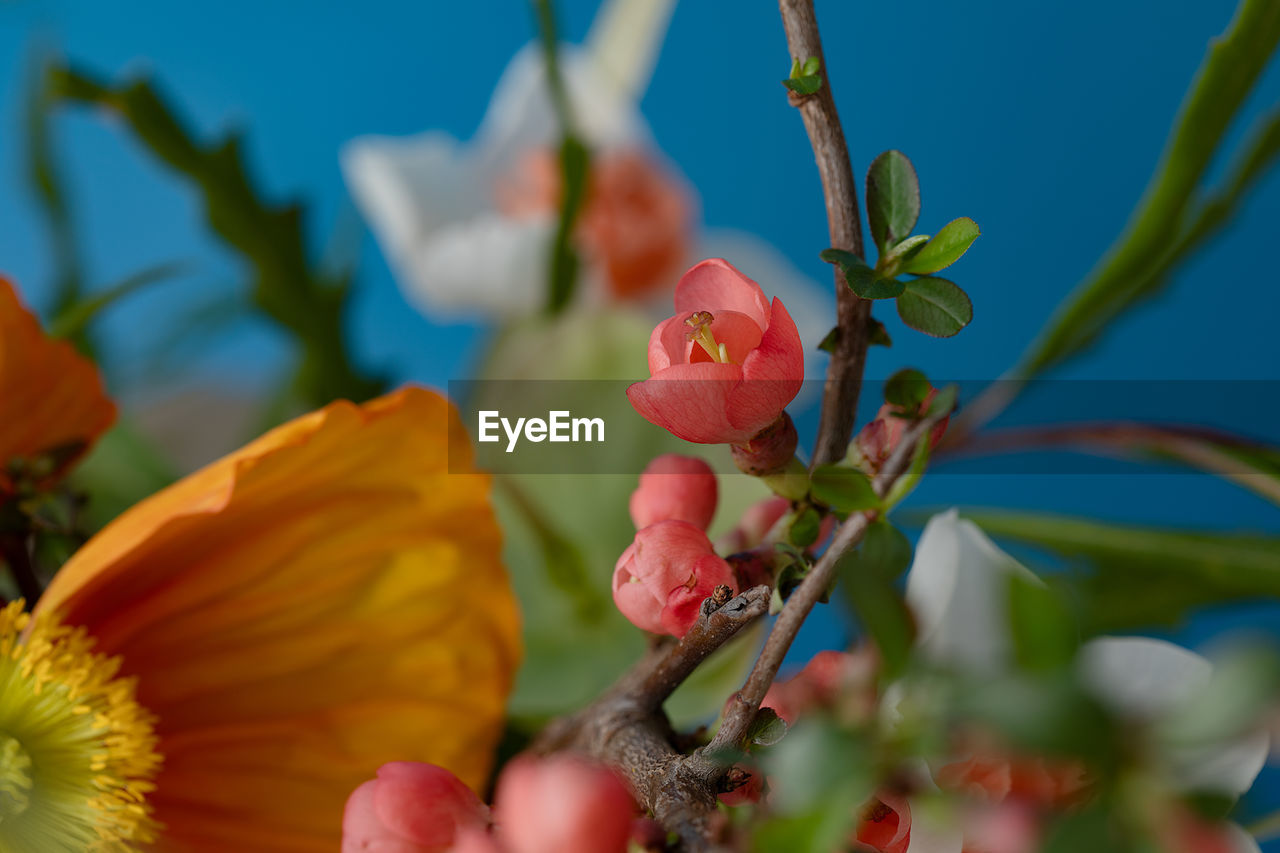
point(562, 803)
point(661, 580)
point(884, 825)
point(675, 486)
point(411, 807)
point(726, 365)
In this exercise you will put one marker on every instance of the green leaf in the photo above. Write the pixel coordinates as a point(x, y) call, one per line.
point(862, 279)
point(907, 389)
point(1164, 228)
point(818, 767)
point(828, 343)
point(805, 528)
point(811, 66)
point(1128, 577)
point(1045, 634)
point(574, 162)
point(867, 577)
point(287, 285)
point(843, 489)
point(935, 306)
point(803, 85)
point(73, 322)
point(878, 334)
point(893, 199)
point(766, 728)
point(944, 402)
point(946, 247)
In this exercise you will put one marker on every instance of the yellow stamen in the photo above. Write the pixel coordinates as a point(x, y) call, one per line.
point(700, 325)
point(77, 752)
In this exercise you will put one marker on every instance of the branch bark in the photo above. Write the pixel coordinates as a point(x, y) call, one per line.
point(821, 121)
point(746, 702)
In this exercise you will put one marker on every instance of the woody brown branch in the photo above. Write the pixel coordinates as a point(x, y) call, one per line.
point(822, 123)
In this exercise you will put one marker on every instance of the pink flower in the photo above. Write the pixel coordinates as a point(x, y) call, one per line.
point(562, 803)
point(878, 439)
point(410, 808)
point(674, 486)
point(828, 678)
point(663, 577)
point(726, 365)
point(885, 825)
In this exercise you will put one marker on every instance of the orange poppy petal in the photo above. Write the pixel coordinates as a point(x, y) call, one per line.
point(327, 599)
point(51, 397)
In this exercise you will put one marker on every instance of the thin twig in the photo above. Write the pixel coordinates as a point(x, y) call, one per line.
point(746, 702)
point(848, 358)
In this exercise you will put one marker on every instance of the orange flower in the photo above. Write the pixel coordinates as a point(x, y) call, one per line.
point(325, 600)
point(51, 399)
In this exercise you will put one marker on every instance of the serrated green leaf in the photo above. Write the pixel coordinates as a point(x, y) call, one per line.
point(893, 199)
point(1128, 577)
point(935, 306)
point(843, 489)
point(944, 249)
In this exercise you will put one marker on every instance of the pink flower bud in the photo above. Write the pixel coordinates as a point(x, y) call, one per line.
point(726, 365)
point(663, 577)
point(878, 439)
point(675, 487)
point(473, 841)
point(562, 803)
point(410, 808)
point(757, 521)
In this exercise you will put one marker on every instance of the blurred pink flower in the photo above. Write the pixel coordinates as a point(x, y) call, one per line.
point(411, 807)
point(562, 803)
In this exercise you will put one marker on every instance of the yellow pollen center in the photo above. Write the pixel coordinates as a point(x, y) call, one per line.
point(77, 752)
point(699, 324)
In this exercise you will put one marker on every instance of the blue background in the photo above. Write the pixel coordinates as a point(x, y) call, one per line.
point(1041, 121)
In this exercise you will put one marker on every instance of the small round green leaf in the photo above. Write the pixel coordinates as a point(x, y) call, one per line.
point(843, 489)
point(862, 279)
point(907, 389)
point(946, 247)
point(893, 198)
point(935, 306)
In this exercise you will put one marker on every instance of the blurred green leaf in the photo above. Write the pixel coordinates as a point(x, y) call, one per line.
point(1241, 693)
point(945, 248)
point(1135, 577)
point(1163, 229)
point(818, 774)
point(123, 468)
point(804, 529)
point(843, 489)
point(935, 306)
point(73, 322)
point(287, 287)
point(867, 578)
point(907, 389)
point(878, 335)
point(1044, 631)
point(893, 199)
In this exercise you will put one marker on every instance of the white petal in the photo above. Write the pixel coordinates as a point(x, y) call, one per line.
point(624, 42)
point(489, 264)
point(406, 188)
point(521, 117)
point(958, 590)
point(1146, 680)
point(1242, 841)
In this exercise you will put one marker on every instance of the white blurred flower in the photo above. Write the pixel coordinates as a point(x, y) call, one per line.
point(957, 588)
point(468, 227)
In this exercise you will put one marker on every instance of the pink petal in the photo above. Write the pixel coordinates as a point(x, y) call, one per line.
point(772, 374)
point(715, 285)
point(668, 344)
point(692, 402)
